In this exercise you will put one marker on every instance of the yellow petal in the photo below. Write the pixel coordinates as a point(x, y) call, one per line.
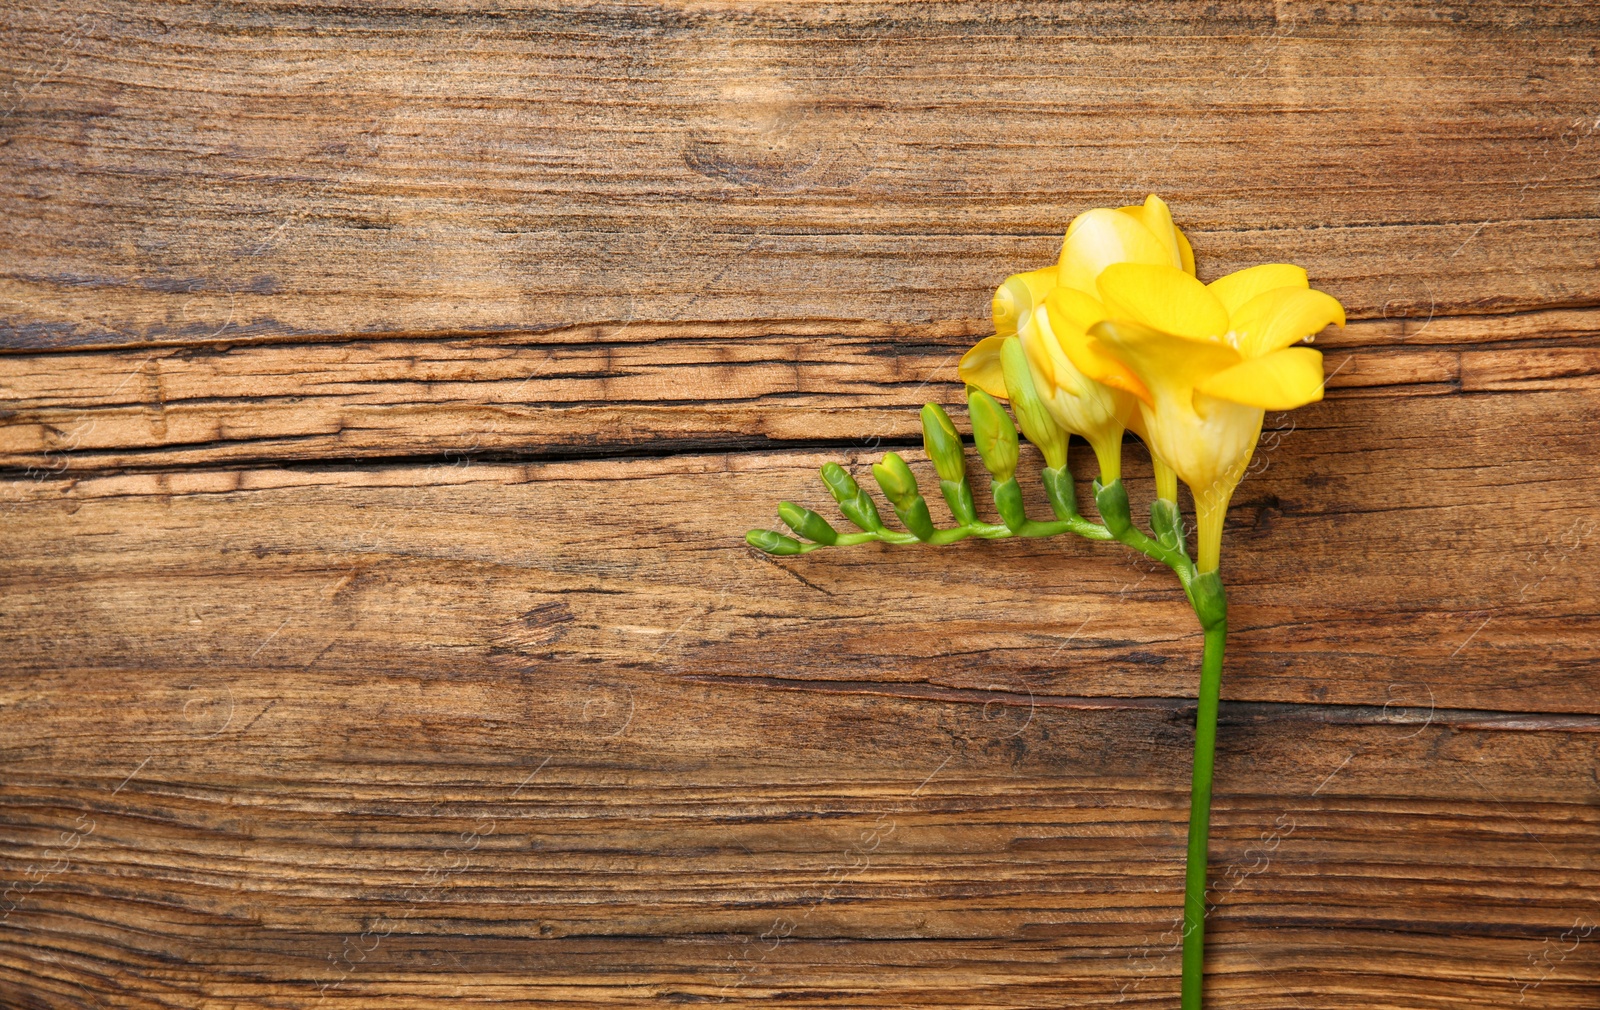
point(1277, 318)
point(1038, 353)
point(1016, 299)
point(1282, 380)
point(1162, 361)
point(980, 366)
point(1100, 237)
point(1164, 298)
point(1070, 314)
point(1234, 290)
point(1073, 309)
point(1185, 250)
point(1157, 219)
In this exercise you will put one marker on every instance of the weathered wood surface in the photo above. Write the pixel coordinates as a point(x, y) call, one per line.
point(1420, 594)
point(219, 171)
point(384, 389)
point(659, 388)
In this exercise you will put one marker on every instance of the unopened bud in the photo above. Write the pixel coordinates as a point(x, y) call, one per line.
point(841, 485)
point(898, 482)
point(807, 523)
point(900, 487)
point(993, 431)
point(943, 443)
point(773, 543)
point(855, 503)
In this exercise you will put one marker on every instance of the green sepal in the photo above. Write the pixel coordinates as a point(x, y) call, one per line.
point(1167, 522)
point(1008, 501)
point(1061, 490)
point(943, 443)
point(856, 504)
point(914, 513)
point(807, 523)
point(994, 433)
point(1209, 599)
point(773, 543)
point(958, 495)
point(1112, 501)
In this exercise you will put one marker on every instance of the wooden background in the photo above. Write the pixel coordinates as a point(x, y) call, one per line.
point(386, 388)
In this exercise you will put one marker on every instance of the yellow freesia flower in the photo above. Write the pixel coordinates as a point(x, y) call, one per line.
point(1205, 363)
point(1096, 410)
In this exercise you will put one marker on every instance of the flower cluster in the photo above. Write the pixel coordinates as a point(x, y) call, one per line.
point(1119, 334)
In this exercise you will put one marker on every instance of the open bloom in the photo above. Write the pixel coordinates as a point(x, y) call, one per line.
point(1079, 403)
point(1204, 361)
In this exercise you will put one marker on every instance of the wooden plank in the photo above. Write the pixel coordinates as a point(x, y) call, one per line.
point(1415, 572)
point(657, 388)
point(264, 835)
point(216, 172)
point(384, 388)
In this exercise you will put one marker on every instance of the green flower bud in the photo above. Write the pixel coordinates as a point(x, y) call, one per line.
point(1035, 420)
point(855, 503)
point(807, 523)
point(898, 483)
point(841, 485)
point(943, 442)
point(900, 487)
point(773, 543)
point(994, 433)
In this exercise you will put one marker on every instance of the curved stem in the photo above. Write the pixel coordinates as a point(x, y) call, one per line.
point(1194, 884)
point(987, 531)
point(1134, 537)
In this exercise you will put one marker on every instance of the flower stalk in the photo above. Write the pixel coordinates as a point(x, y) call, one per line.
point(1194, 877)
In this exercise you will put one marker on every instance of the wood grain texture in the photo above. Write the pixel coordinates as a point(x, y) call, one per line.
point(436, 566)
point(398, 837)
point(217, 171)
point(641, 388)
point(384, 388)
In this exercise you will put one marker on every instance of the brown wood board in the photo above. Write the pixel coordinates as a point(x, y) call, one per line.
point(384, 390)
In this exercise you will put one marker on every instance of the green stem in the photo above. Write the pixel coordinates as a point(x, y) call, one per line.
point(1134, 537)
point(987, 531)
point(1205, 748)
point(1112, 501)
